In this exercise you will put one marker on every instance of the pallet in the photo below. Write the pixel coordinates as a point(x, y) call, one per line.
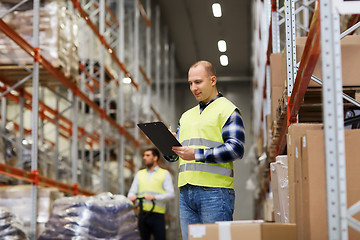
point(16, 73)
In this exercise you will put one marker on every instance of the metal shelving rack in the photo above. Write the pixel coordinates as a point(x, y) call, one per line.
point(325, 25)
point(112, 45)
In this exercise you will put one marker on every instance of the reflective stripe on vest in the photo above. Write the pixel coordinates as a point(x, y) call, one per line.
point(207, 168)
point(201, 142)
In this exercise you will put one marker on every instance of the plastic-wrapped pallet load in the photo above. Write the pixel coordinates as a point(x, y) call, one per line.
point(104, 216)
point(58, 33)
point(10, 228)
point(18, 200)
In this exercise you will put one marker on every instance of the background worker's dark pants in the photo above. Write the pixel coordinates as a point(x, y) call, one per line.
point(152, 223)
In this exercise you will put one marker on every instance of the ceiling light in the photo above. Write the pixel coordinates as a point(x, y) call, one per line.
point(222, 46)
point(216, 8)
point(224, 61)
point(126, 80)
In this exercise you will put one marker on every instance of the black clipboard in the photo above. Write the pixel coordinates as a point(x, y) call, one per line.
point(161, 137)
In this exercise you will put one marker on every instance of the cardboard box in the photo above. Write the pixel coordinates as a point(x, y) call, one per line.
point(268, 131)
point(274, 188)
point(350, 58)
point(246, 230)
point(275, 70)
point(295, 132)
point(269, 209)
point(314, 183)
point(277, 85)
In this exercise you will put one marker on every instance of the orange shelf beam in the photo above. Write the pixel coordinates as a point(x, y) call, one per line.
point(156, 113)
point(143, 13)
point(307, 65)
point(142, 71)
point(37, 179)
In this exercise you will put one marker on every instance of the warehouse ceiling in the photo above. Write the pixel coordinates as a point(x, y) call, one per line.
point(195, 33)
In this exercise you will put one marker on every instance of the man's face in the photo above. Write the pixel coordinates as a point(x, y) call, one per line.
point(201, 84)
point(149, 159)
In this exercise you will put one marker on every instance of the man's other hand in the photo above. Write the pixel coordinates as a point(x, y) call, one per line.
point(185, 153)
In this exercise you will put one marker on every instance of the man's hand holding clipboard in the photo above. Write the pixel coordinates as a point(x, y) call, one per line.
point(162, 138)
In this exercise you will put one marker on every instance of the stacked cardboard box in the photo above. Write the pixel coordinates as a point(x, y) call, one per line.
point(350, 56)
point(295, 131)
point(314, 204)
point(280, 188)
point(246, 230)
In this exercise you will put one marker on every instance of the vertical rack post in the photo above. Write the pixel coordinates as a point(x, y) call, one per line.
point(166, 106)
point(333, 122)
point(136, 76)
point(120, 99)
point(35, 117)
point(172, 84)
point(21, 128)
point(290, 44)
point(74, 139)
point(290, 51)
point(157, 57)
point(82, 87)
point(102, 94)
point(57, 136)
point(148, 61)
point(275, 28)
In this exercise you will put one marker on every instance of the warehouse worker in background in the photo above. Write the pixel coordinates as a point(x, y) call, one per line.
point(153, 183)
point(212, 136)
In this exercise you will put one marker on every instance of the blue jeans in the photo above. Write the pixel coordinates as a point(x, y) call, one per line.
point(204, 205)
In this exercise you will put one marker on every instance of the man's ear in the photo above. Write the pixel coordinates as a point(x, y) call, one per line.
point(213, 80)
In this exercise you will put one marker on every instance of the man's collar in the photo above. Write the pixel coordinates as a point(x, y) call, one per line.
point(203, 105)
point(154, 170)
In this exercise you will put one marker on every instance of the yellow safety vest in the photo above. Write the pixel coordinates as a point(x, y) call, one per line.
point(152, 187)
point(205, 131)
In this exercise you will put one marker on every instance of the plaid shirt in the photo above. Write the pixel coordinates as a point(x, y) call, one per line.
point(233, 134)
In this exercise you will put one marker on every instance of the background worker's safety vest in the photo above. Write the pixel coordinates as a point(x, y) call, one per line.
point(205, 131)
point(152, 187)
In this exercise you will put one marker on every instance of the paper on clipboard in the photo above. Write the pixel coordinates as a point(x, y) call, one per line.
point(161, 137)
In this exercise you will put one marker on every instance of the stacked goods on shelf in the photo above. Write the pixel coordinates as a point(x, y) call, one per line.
point(312, 201)
point(10, 228)
point(17, 199)
point(295, 131)
point(58, 34)
point(277, 90)
point(280, 188)
point(350, 57)
point(277, 83)
point(104, 216)
point(10, 154)
point(310, 110)
point(254, 230)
